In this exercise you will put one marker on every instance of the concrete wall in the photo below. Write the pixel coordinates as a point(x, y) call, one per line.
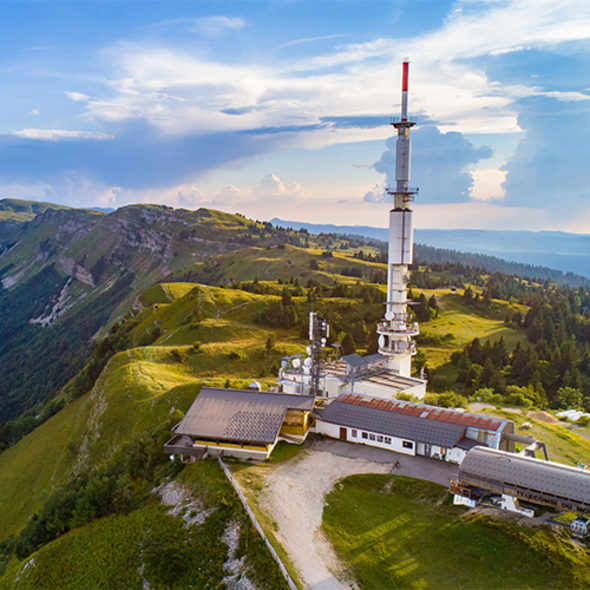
point(236, 452)
point(455, 455)
point(372, 439)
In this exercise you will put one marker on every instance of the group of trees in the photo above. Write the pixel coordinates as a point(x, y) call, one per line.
point(120, 486)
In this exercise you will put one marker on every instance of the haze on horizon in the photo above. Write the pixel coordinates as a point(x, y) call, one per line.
point(281, 108)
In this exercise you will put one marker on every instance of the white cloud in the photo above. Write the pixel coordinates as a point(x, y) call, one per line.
point(211, 25)
point(228, 195)
point(77, 96)
point(377, 194)
point(506, 50)
point(35, 112)
point(183, 93)
point(487, 185)
point(57, 134)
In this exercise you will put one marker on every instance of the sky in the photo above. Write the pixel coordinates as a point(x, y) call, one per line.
point(282, 108)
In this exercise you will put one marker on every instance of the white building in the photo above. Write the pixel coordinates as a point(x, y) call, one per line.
point(409, 428)
point(368, 375)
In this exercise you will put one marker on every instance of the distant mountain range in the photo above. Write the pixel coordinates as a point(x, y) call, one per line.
point(558, 250)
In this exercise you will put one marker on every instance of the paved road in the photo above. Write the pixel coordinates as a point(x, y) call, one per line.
point(418, 467)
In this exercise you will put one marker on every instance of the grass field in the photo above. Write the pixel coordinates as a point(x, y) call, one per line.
point(564, 444)
point(458, 324)
point(39, 464)
point(396, 532)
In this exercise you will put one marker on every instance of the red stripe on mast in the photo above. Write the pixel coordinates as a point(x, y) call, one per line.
point(405, 76)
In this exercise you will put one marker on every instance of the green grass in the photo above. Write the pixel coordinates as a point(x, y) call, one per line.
point(462, 323)
point(123, 551)
point(284, 451)
point(396, 532)
point(563, 444)
point(40, 463)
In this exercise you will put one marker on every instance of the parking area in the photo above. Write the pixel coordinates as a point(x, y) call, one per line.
point(419, 467)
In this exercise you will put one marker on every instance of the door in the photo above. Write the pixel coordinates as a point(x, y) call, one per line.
point(343, 432)
point(427, 450)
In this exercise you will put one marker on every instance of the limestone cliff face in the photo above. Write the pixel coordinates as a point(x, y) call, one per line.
point(94, 249)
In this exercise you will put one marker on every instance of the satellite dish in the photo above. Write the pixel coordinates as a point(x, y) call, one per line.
point(403, 345)
point(307, 362)
point(306, 370)
point(389, 315)
point(381, 341)
point(284, 364)
point(308, 350)
point(324, 342)
point(296, 363)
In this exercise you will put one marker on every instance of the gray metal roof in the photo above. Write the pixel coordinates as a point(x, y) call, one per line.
point(354, 360)
point(527, 472)
point(405, 426)
point(240, 416)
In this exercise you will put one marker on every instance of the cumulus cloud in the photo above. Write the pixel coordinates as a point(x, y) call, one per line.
point(190, 197)
point(272, 188)
point(35, 112)
point(77, 96)
point(441, 166)
point(377, 194)
point(549, 168)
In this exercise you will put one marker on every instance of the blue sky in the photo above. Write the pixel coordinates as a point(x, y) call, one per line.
point(281, 108)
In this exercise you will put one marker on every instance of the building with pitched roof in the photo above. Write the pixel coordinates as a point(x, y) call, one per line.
point(240, 423)
point(524, 478)
point(412, 429)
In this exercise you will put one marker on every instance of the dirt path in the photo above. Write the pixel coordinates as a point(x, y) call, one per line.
point(294, 498)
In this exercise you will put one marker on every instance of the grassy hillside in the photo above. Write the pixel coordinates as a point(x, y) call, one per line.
point(457, 324)
point(39, 464)
point(19, 211)
point(152, 548)
point(284, 262)
point(180, 336)
point(396, 532)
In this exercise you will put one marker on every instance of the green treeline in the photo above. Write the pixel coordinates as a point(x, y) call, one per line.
point(35, 361)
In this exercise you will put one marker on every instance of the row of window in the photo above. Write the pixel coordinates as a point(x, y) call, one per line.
point(382, 439)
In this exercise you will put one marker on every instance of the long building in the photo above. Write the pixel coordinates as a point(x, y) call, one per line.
point(412, 429)
point(525, 478)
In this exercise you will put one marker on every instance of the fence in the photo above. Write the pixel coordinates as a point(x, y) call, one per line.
point(257, 526)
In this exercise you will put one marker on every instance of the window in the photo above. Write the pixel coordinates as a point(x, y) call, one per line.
point(365, 435)
point(408, 445)
point(371, 436)
point(354, 433)
point(387, 440)
point(379, 438)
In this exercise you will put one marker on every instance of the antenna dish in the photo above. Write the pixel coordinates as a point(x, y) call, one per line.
point(403, 345)
point(296, 363)
point(284, 364)
point(307, 362)
point(306, 370)
point(324, 342)
point(308, 350)
point(389, 315)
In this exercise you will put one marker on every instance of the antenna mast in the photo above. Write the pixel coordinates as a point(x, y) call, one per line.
point(395, 334)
